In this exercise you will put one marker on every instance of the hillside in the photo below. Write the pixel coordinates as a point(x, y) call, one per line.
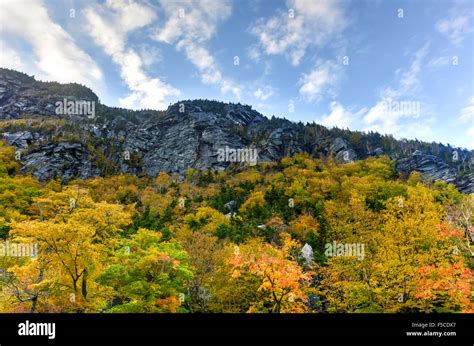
point(300, 235)
point(189, 134)
point(211, 207)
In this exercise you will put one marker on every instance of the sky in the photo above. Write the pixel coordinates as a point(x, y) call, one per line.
point(400, 67)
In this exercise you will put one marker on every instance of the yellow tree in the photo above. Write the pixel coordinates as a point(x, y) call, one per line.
point(206, 219)
point(8, 162)
point(207, 259)
point(404, 243)
point(75, 237)
point(281, 279)
point(68, 260)
point(163, 181)
point(303, 226)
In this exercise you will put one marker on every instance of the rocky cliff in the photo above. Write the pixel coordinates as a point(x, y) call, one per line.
point(189, 134)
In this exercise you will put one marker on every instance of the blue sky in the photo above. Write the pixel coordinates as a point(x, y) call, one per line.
point(398, 67)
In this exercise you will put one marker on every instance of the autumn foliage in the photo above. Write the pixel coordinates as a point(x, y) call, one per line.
point(232, 241)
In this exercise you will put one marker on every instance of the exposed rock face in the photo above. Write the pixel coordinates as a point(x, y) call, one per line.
point(189, 134)
point(339, 148)
point(62, 160)
point(19, 139)
point(20, 94)
point(436, 169)
point(188, 138)
point(281, 142)
point(377, 152)
point(465, 183)
point(429, 165)
point(231, 205)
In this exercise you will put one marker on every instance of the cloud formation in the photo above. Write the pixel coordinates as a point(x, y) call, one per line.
point(340, 116)
point(306, 23)
point(9, 58)
point(398, 102)
point(109, 25)
point(456, 27)
point(320, 81)
point(263, 93)
point(189, 26)
point(55, 55)
point(466, 117)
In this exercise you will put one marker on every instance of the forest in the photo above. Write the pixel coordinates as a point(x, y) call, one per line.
point(250, 239)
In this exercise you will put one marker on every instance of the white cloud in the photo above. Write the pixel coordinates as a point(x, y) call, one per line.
point(386, 114)
point(320, 81)
point(379, 119)
point(409, 79)
point(340, 117)
point(304, 24)
point(150, 55)
point(189, 26)
point(439, 62)
point(55, 54)
point(467, 113)
point(254, 53)
point(456, 27)
point(466, 116)
point(9, 58)
point(307, 23)
point(470, 134)
point(263, 93)
point(400, 102)
point(109, 25)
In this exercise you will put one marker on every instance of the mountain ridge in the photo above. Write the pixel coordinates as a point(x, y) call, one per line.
point(187, 135)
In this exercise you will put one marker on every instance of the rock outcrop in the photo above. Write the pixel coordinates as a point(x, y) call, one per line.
point(189, 134)
point(59, 160)
point(21, 94)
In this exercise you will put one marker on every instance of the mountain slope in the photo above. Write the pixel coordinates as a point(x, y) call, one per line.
point(189, 134)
